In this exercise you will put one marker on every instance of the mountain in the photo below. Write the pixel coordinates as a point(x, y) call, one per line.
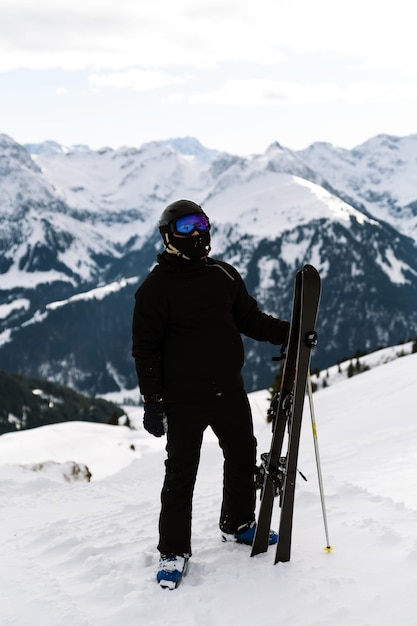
point(380, 174)
point(79, 233)
point(85, 552)
point(192, 147)
point(30, 403)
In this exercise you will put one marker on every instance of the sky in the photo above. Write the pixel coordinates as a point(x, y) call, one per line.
point(235, 74)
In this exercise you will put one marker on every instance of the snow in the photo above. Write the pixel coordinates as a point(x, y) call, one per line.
point(341, 210)
point(83, 553)
point(394, 268)
point(337, 373)
point(275, 202)
point(97, 293)
point(380, 174)
point(118, 196)
point(19, 303)
point(29, 280)
point(109, 180)
point(293, 252)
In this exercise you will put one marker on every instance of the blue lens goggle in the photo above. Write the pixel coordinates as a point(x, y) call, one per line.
point(189, 223)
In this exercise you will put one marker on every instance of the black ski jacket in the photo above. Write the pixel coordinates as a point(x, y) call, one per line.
point(187, 325)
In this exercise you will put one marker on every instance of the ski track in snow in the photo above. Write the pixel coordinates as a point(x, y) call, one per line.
point(89, 558)
point(83, 554)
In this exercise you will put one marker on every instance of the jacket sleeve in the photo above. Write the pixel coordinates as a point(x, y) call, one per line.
point(252, 322)
point(148, 328)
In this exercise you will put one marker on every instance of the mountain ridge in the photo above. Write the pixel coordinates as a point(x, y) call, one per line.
point(95, 223)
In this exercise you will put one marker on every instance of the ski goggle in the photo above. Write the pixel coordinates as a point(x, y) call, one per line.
point(189, 223)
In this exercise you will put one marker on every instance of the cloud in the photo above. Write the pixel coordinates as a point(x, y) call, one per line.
point(135, 79)
point(257, 92)
point(158, 33)
point(270, 92)
point(140, 45)
point(104, 35)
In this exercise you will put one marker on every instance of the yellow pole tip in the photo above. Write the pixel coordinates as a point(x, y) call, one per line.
point(328, 549)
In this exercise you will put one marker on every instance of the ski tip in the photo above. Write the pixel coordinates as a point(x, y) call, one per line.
point(328, 548)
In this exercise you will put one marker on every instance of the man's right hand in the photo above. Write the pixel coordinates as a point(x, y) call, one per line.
point(155, 419)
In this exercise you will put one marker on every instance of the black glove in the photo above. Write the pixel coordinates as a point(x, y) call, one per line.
point(155, 419)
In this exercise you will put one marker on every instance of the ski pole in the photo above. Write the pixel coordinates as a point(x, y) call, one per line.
point(328, 547)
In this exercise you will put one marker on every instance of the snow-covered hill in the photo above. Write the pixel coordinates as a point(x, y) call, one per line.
point(83, 553)
point(360, 363)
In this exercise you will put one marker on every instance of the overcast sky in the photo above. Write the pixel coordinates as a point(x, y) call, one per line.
point(235, 74)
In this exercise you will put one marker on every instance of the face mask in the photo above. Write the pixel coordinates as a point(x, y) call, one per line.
point(192, 248)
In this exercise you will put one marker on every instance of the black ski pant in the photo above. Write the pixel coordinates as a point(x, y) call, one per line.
point(230, 418)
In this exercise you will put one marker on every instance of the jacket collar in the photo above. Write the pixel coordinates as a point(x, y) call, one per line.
point(174, 263)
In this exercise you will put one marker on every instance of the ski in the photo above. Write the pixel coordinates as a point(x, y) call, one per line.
point(309, 303)
point(279, 471)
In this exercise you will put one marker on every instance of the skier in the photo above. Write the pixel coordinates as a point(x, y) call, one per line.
point(188, 318)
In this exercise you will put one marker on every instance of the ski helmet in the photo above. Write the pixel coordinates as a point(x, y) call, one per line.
point(191, 247)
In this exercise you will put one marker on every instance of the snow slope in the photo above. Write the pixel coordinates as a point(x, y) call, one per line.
point(83, 554)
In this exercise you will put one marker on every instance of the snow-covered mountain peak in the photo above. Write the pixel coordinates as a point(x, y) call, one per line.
point(191, 146)
point(110, 181)
point(379, 174)
point(53, 147)
point(274, 147)
point(272, 193)
point(332, 206)
point(383, 144)
point(13, 156)
point(21, 179)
